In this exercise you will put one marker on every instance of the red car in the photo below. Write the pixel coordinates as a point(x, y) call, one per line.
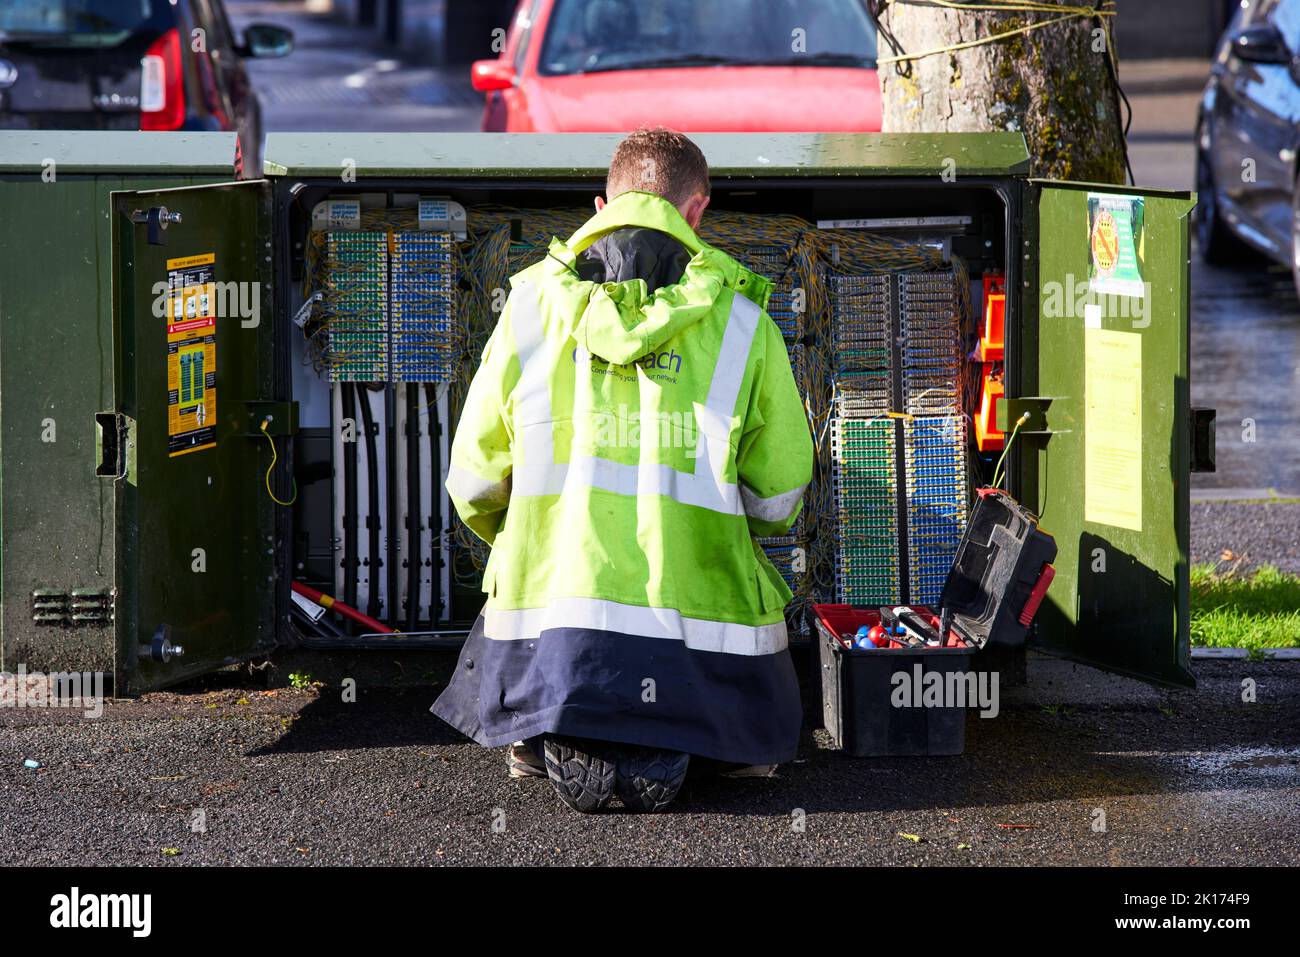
point(572, 66)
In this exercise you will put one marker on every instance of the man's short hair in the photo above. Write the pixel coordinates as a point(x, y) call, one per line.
point(660, 161)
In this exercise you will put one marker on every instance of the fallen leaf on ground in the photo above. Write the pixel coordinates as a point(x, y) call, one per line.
point(914, 838)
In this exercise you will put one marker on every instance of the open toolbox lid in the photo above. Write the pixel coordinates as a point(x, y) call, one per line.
point(997, 582)
point(1001, 572)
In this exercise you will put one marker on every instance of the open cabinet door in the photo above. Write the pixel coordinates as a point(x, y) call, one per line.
point(196, 375)
point(1105, 454)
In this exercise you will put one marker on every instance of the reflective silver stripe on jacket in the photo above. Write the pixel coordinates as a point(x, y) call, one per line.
point(774, 508)
point(539, 474)
point(465, 485)
point(699, 634)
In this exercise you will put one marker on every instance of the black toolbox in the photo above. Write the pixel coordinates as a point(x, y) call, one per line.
point(874, 701)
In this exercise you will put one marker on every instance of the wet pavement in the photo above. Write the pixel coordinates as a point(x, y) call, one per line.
point(339, 78)
point(1078, 768)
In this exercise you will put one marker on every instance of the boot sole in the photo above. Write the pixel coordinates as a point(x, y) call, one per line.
point(583, 780)
point(648, 779)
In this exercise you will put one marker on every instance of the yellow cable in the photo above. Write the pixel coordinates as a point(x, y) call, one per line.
point(997, 481)
point(992, 38)
point(269, 468)
point(1023, 6)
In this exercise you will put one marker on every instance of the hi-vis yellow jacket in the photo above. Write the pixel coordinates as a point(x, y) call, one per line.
point(621, 447)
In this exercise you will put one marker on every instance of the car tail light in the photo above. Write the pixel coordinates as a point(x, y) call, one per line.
point(162, 86)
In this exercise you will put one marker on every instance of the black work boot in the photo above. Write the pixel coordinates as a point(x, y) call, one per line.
point(647, 779)
point(582, 772)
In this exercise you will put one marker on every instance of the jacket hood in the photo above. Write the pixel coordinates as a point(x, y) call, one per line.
point(634, 253)
point(622, 321)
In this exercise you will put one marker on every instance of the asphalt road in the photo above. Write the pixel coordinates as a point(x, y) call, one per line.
point(337, 78)
point(298, 777)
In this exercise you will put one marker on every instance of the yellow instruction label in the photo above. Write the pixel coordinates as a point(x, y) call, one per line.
point(1112, 428)
point(191, 354)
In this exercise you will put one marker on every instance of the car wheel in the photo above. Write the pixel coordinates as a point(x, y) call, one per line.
point(1295, 236)
point(1217, 243)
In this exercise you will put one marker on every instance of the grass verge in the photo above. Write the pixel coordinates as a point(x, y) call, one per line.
point(1259, 609)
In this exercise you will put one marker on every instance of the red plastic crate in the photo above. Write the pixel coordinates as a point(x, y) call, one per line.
point(843, 622)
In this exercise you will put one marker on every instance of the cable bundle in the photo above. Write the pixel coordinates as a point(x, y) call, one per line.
point(384, 303)
point(354, 308)
point(899, 378)
point(866, 512)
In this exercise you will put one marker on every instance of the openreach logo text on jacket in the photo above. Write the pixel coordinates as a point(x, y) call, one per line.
point(664, 360)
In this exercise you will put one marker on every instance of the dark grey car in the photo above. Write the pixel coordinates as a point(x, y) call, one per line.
point(132, 64)
point(1247, 137)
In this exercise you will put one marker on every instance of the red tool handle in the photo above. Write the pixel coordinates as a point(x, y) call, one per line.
point(346, 610)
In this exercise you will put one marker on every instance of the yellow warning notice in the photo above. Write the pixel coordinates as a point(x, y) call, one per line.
point(1112, 428)
point(191, 354)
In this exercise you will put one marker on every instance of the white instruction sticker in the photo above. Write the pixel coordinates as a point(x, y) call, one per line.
point(337, 214)
point(433, 213)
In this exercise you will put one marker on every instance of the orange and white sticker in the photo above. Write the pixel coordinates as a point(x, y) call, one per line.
point(191, 354)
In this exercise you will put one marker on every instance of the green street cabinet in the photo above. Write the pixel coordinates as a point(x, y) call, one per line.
point(60, 565)
point(171, 464)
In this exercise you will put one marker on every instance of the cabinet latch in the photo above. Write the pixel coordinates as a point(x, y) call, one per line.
point(1038, 407)
point(1203, 451)
point(157, 218)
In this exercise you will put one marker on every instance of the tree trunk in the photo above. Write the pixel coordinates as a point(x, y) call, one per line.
point(1053, 84)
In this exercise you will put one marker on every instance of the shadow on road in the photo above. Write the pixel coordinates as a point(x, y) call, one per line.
point(1196, 742)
